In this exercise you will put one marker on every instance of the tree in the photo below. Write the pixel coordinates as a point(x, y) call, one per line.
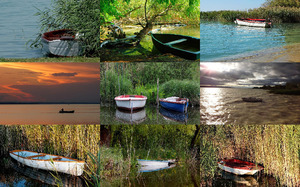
point(147, 12)
point(282, 3)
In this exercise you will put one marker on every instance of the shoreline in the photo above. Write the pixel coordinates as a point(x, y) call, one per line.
point(286, 53)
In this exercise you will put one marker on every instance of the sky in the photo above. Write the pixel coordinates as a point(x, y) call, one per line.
point(49, 82)
point(213, 5)
point(248, 74)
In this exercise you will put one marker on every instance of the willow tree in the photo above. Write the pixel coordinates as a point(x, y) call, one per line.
point(283, 3)
point(81, 16)
point(147, 12)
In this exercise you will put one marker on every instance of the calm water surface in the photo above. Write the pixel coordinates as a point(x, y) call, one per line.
point(18, 25)
point(220, 41)
point(110, 115)
point(225, 106)
point(48, 114)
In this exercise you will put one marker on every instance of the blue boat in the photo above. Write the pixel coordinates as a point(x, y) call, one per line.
point(175, 103)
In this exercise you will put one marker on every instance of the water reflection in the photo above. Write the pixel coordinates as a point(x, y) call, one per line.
point(173, 115)
point(136, 116)
point(211, 101)
point(110, 115)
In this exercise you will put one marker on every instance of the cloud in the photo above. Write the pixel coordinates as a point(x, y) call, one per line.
point(62, 74)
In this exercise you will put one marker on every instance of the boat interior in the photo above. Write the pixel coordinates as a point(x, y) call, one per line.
point(43, 156)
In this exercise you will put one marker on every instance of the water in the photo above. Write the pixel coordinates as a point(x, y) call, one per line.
point(110, 115)
point(225, 106)
point(48, 114)
point(219, 41)
point(18, 25)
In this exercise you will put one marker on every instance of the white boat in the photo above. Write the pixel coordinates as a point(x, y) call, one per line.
point(49, 162)
point(61, 43)
point(253, 22)
point(239, 167)
point(155, 165)
point(130, 102)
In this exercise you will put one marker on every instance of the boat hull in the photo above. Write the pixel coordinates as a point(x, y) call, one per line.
point(48, 162)
point(71, 111)
point(252, 23)
point(61, 43)
point(239, 167)
point(130, 102)
point(170, 104)
point(189, 48)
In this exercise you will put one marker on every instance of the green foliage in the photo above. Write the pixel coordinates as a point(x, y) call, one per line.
point(112, 85)
point(276, 14)
point(81, 16)
point(150, 91)
point(182, 88)
point(283, 3)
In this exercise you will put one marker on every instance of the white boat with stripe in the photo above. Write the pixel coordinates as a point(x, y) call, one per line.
point(49, 162)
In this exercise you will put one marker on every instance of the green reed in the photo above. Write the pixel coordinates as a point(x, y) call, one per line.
point(275, 14)
point(75, 141)
point(276, 147)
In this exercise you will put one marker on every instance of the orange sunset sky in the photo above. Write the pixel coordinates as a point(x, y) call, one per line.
point(49, 82)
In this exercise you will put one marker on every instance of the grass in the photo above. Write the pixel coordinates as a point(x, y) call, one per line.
point(276, 147)
point(75, 141)
point(50, 59)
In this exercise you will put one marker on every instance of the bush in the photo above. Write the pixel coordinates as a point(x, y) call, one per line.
point(183, 88)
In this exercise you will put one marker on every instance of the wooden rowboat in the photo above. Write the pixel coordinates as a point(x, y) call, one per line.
point(239, 167)
point(253, 22)
point(130, 102)
point(183, 46)
point(252, 99)
point(66, 111)
point(49, 162)
point(175, 103)
point(155, 165)
point(61, 43)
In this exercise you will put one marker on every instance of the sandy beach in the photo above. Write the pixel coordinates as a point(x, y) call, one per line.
point(288, 53)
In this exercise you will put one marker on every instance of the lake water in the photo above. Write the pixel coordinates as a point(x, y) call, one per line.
point(48, 114)
point(18, 25)
point(225, 106)
point(221, 41)
point(110, 115)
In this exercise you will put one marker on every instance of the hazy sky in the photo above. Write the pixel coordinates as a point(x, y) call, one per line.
point(49, 82)
point(211, 5)
point(248, 74)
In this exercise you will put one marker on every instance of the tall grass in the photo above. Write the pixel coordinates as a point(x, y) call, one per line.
point(75, 141)
point(275, 14)
point(276, 147)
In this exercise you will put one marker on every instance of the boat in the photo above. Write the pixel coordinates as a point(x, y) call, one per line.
point(130, 102)
point(239, 167)
point(175, 103)
point(253, 22)
point(66, 111)
point(49, 162)
point(183, 46)
point(155, 165)
point(252, 99)
point(62, 42)
point(48, 177)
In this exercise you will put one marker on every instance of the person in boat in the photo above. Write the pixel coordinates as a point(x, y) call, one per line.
point(62, 109)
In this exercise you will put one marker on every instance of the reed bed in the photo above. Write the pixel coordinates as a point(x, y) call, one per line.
point(276, 14)
point(77, 141)
point(156, 142)
point(276, 147)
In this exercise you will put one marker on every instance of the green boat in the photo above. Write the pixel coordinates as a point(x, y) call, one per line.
point(183, 46)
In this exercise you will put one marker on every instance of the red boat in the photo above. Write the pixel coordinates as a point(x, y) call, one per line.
point(239, 167)
point(253, 22)
point(131, 102)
